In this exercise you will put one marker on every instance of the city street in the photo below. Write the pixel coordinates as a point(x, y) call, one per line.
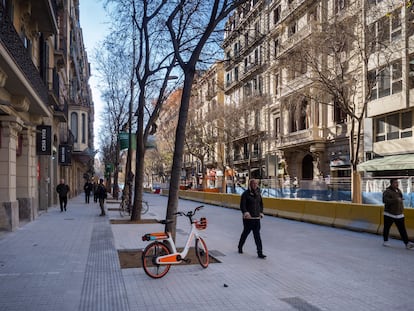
point(68, 261)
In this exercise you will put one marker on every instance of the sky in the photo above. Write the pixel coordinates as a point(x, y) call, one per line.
point(93, 21)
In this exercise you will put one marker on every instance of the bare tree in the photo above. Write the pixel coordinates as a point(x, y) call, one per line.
point(113, 81)
point(334, 59)
point(190, 24)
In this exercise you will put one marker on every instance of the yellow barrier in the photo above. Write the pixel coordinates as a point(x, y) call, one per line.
point(285, 208)
point(361, 217)
point(319, 212)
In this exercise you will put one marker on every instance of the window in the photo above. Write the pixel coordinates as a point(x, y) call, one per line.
point(236, 73)
point(276, 47)
point(292, 29)
point(255, 150)
point(394, 126)
point(83, 128)
point(74, 126)
point(385, 30)
point(406, 124)
point(395, 25)
point(236, 49)
point(340, 5)
point(246, 40)
point(386, 80)
point(276, 85)
point(228, 81)
point(257, 29)
point(380, 129)
point(375, 2)
point(277, 127)
point(339, 114)
point(257, 119)
point(246, 151)
point(276, 15)
point(411, 72)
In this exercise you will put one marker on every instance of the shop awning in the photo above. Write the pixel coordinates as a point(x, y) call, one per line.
point(390, 163)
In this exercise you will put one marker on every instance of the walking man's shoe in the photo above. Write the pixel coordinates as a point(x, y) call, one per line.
point(240, 250)
point(409, 245)
point(261, 256)
point(386, 244)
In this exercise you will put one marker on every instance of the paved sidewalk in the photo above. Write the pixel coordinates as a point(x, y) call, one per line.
point(68, 261)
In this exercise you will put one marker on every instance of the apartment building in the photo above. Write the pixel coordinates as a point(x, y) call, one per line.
point(292, 124)
point(204, 157)
point(46, 109)
point(389, 143)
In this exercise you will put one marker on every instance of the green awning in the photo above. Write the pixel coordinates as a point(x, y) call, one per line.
point(390, 163)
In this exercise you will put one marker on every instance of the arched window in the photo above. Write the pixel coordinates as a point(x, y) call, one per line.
point(74, 126)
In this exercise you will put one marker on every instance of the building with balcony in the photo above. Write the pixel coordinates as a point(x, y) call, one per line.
point(39, 85)
point(204, 157)
point(301, 126)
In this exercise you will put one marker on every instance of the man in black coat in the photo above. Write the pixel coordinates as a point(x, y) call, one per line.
point(62, 189)
point(251, 206)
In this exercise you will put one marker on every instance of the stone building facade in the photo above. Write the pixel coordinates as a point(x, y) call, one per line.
point(46, 109)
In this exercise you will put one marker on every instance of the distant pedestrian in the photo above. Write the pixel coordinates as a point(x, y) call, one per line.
point(251, 206)
point(95, 193)
point(62, 189)
point(88, 189)
point(101, 195)
point(394, 213)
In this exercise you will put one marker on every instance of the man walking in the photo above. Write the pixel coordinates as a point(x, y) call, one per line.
point(62, 189)
point(393, 213)
point(87, 188)
point(101, 195)
point(251, 206)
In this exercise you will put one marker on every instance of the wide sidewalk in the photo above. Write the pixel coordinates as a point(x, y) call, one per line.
point(68, 261)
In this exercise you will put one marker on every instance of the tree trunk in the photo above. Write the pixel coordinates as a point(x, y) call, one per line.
point(178, 153)
point(356, 187)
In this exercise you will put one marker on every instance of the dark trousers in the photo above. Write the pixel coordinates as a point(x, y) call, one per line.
point(400, 223)
point(102, 205)
point(248, 226)
point(87, 195)
point(63, 201)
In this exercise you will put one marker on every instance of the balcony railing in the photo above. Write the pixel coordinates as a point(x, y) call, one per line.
point(305, 136)
point(10, 39)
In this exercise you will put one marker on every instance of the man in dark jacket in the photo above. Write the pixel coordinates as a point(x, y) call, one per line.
point(251, 206)
point(88, 189)
point(393, 213)
point(101, 194)
point(62, 189)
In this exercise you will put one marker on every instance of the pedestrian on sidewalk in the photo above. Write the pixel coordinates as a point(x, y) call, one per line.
point(101, 195)
point(95, 191)
point(394, 213)
point(87, 188)
point(63, 189)
point(251, 206)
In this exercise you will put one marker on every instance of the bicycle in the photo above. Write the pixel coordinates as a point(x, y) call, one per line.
point(124, 208)
point(159, 255)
